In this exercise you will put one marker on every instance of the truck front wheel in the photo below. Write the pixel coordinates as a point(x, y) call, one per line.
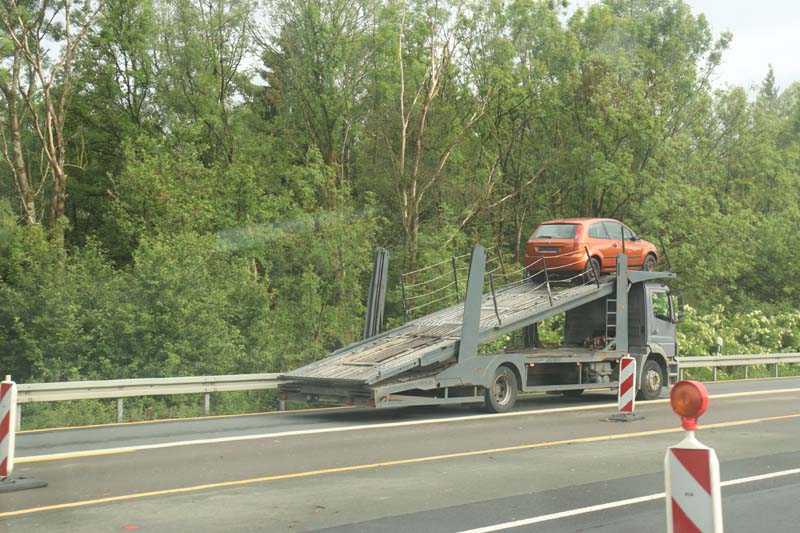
point(652, 381)
point(502, 393)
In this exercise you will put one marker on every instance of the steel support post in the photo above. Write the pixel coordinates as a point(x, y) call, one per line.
point(455, 279)
point(664, 249)
point(547, 281)
point(596, 275)
point(494, 299)
point(120, 412)
point(403, 293)
point(206, 404)
point(621, 318)
point(502, 263)
point(376, 298)
point(471, 323)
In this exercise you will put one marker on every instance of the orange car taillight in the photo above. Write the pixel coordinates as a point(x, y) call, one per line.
point(578, 234)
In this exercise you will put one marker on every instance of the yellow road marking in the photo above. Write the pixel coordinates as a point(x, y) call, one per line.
point(158, 421)
point(355, 468)
point(75, 455)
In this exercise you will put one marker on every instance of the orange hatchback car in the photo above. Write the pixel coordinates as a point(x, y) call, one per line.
point(561, 246)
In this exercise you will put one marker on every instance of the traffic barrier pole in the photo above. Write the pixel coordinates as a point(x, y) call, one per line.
point(691, 469)
point(8, 429)
point(626, 399)
point(8, 426)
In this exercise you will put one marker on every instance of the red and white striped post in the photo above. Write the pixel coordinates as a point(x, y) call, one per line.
point(626, 399)
point(693, 498)
point(8, 407)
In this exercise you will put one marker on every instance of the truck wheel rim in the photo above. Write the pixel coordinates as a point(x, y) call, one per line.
point(653, 380)
point(502, 392)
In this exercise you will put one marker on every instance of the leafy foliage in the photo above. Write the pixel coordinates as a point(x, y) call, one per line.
point(228, 183)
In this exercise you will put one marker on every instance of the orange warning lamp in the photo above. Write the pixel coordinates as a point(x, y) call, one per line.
point(689, 400)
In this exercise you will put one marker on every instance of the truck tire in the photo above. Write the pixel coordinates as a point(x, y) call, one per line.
point(649, 263)
point(592, 267)
point(502, 393)
point(652, 381)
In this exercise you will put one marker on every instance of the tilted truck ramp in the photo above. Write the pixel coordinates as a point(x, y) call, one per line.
point(434, 338)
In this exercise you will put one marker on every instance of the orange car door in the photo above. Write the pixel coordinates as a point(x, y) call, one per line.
point(600, 242)
point(634, 250)
point(614, 231)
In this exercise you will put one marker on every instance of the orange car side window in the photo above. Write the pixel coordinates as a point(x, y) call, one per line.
point(598, 231)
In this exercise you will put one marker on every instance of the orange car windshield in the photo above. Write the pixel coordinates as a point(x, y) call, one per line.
point(555, 231)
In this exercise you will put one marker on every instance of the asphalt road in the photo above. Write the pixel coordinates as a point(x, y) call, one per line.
point(410, 470)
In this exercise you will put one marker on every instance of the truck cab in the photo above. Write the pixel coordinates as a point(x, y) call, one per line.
point(652, 313)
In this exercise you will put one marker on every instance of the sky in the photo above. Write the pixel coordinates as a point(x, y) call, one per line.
point(764, 32)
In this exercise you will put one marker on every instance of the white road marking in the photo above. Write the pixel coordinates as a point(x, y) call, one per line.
point(317, 431)
point(320, 431)
point(620, 503)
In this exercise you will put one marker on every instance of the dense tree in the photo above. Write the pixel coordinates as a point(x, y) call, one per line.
point(197, 186)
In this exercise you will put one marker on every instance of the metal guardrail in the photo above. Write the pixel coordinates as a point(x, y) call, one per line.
point(716, 361)
point(126, 388)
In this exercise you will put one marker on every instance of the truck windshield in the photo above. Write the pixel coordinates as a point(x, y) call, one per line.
point(555, 231)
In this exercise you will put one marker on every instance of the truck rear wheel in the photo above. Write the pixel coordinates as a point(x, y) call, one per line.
point(652, 381)
point(502, 393)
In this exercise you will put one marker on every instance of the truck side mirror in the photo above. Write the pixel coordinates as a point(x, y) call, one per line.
point(677, 307)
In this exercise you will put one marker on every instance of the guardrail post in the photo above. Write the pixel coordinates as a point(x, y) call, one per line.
point(715, 373)
point(120, 413)
point(206, 404)
point(746, 368)
point(281, 405)
point(18, 422)
point(776, 369)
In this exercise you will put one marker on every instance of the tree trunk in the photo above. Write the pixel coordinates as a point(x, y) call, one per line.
point(59, 197)
point(16, 158)
point(27, 197)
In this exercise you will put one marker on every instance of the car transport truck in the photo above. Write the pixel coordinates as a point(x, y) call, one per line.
point(436, 359)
